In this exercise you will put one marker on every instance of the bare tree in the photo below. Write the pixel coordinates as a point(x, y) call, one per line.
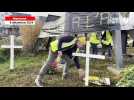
point(30, 35)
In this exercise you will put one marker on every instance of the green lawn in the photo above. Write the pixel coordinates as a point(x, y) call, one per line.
point(27, 68)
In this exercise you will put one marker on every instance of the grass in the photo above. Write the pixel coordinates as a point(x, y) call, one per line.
point(27, 68)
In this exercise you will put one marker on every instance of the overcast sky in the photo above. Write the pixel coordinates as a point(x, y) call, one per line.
point(45, 13)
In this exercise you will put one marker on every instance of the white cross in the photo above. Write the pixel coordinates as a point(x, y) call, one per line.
point(88, 56)
point(11, 46)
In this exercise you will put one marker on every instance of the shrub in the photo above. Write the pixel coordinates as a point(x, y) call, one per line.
point(127, 79)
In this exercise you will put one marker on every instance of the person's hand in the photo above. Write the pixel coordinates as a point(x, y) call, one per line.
point(58, 60)
point(59, 53)
point(103, 41)
point(79, 45)
point(99, 45)
point(112, 44)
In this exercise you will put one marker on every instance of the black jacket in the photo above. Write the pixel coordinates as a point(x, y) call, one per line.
point(69, 50)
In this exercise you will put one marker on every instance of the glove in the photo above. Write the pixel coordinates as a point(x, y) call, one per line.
point(99, 45)
point(59, 53)
point(112, 44)
point(58, 59)
point(78, 50)
point(103, 41)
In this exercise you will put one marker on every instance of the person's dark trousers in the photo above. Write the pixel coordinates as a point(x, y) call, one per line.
point(107, 48)
point(124, 37)
point(94, 48)
point(133, 44)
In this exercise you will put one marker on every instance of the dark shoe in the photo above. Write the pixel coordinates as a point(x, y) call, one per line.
point(39, 83)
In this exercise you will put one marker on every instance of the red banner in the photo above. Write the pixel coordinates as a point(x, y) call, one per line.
point(13, 18)
point(19, 20)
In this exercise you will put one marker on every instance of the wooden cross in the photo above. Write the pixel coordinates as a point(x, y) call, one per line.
point(87, 55)
point(12, 46)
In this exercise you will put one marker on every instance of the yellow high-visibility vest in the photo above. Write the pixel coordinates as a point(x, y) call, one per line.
point(108, 39)
point(54, 44)
point(94, 39)
point(82, 40)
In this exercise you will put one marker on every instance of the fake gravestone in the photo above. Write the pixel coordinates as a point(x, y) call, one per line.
point(86, 22)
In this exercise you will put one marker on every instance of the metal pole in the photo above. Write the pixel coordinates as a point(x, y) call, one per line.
point(118, 48)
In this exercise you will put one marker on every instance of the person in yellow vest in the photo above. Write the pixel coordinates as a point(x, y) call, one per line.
point(94, 41)
point(107, 42)
point(64, 46)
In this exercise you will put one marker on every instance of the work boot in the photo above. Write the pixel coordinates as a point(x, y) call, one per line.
point(39, 83)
